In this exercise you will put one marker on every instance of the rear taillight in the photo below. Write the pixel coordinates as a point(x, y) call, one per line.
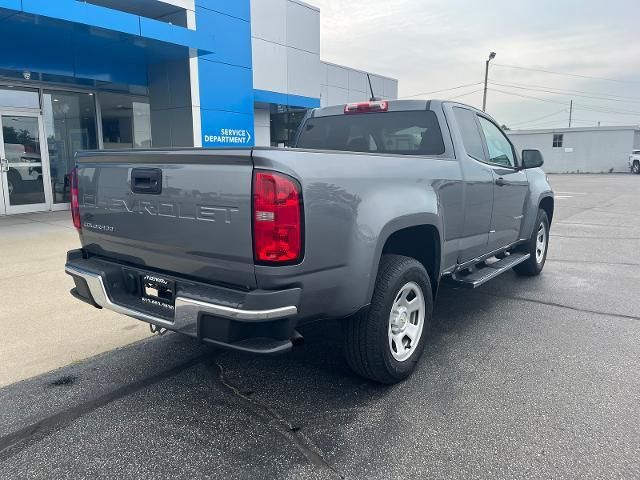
point(366, 107)
point(277, 218)
point(75, 203)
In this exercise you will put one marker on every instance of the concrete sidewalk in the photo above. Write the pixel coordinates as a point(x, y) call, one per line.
point(42, 327)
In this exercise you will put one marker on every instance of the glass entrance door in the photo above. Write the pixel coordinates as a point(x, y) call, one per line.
point(24, 177)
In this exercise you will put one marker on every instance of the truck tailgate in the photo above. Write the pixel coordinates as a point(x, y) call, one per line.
point(196, 222)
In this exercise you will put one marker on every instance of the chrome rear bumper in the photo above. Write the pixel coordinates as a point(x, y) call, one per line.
point(187, 310)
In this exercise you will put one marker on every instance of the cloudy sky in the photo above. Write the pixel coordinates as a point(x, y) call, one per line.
point(431, 45)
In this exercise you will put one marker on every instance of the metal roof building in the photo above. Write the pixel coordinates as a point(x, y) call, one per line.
point(581, 150)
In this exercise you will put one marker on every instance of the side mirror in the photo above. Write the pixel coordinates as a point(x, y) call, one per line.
point(532, 159)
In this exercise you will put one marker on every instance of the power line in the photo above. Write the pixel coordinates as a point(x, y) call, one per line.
point(570, 90)
point(528, 96)
point(565, 94)
point(540, 118)
point(465, 94)
point(443, 90)
point(579, 105)
point(594, 108)
point(548, 124)
point(566, 74)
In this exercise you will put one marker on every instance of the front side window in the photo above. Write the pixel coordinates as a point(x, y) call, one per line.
point(500, 150)
point(558, 139)
point(400, 133)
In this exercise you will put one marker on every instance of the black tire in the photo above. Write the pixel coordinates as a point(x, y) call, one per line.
point(366, 336)
point(14, 181)
point(533, 266)
point(636, 167)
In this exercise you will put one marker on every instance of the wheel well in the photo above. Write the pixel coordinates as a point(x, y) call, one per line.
point(547, 205)
point(421, 242)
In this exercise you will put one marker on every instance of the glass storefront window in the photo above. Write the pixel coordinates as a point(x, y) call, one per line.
point(126, 121)
point(11, 97)
point(70, 126)
point(21, 146)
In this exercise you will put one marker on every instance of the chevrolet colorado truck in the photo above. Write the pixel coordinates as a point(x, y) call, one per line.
point(378, 203)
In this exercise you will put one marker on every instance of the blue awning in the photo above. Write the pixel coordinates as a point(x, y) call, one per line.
point(83, 41)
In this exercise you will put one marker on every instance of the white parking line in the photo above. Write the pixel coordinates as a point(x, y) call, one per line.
point(563, 196)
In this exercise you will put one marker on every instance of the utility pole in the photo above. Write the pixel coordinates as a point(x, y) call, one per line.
point(570, 112)
point(492, 55)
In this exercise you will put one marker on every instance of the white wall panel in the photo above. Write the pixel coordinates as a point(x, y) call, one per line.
point(303, 27)
point(390, 88)
point(338, 95)
point(324, 73)
point(355, 96)
point(378, 86)
point(269, 20)
point(303, 73)
point(269, 66)
point(324, 96)
point(262, 127)
point(358, 81)
point(337, 76)
point(286, 59)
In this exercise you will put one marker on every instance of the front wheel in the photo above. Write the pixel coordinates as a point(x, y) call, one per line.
point(537, 247)
point(636, 167)
point(385, 344)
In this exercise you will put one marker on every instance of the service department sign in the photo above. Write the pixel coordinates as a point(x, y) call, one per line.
point(229, 136)
point(227, 130)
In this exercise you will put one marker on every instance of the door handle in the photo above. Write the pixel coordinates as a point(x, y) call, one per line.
point(501, 182)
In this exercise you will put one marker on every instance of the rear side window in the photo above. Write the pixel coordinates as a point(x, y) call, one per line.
point(401, 133)
point(471, 138)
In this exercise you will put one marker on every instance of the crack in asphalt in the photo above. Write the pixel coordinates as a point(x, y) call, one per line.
point(18, 441)
point(559, 305)
point(276, 421)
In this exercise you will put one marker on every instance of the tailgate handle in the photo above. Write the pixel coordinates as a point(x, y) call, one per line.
point(146, 180)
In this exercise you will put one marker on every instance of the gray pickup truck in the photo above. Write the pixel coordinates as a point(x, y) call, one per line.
point(377, 205)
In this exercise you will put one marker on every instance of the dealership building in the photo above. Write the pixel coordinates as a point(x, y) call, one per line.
point(107, 74)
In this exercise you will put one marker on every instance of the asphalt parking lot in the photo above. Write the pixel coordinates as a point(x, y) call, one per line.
point(521, 378)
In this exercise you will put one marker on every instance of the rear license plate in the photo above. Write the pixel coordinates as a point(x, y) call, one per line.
point(158, 289)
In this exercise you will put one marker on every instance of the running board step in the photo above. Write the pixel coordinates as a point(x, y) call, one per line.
point(490, 271)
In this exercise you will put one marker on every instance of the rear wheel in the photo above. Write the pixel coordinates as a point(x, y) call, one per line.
point(636, 167)
point(537, 247)
point(385, 344)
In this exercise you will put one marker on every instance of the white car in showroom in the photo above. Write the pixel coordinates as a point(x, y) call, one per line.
point(634, 162)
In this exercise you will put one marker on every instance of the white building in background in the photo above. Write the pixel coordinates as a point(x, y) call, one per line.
point(288, 74)
point(581, 150)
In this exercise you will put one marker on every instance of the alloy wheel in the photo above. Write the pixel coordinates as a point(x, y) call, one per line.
point(541, 242)
point(406, 321)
